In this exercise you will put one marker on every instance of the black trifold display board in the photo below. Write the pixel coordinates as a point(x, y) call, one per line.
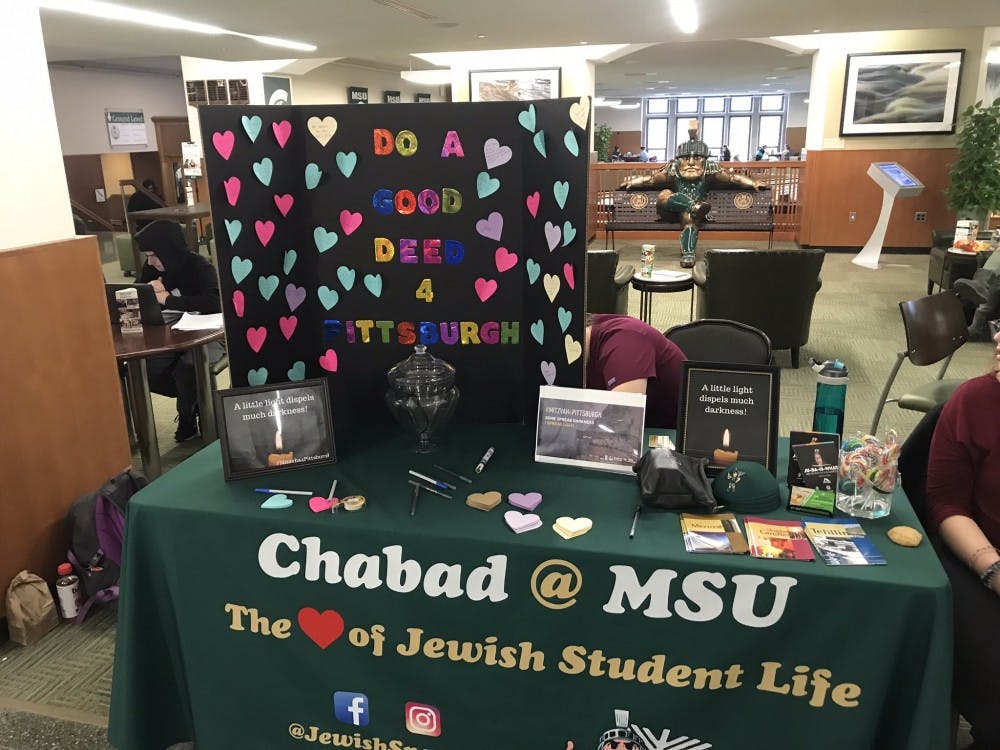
point(348, 235)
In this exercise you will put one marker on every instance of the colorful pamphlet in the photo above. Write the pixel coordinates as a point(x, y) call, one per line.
point(775, 538)
point(800, 437)
point(842, 541)
point(812, 500)
point(717, 532)
point(818, 464)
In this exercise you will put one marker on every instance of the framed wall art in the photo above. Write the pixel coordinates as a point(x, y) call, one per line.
point(514, 85)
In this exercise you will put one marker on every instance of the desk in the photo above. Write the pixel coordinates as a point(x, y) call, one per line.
point(182, 214)
point(647, 287)
point(197, 602)
point(132, 350)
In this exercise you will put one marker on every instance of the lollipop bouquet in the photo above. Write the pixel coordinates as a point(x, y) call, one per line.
point(869, 474)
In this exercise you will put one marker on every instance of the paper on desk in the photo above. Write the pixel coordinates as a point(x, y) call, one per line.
point(189, 322)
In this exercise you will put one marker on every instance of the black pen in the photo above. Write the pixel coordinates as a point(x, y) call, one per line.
point(635, 520)
point(428, 489)
point(453, 473)
point(484, 460)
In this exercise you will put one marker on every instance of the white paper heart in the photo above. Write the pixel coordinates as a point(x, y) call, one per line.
point(323, 130)
point(552, 284)
point(579, 112)
point(568, 527)
point(521, 522)
point(573, 349)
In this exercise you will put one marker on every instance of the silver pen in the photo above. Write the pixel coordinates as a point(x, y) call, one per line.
point(484, 460)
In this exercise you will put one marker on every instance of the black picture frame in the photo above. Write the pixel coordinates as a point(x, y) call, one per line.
point(711, 400)
point(248, 449)
point(519, 84)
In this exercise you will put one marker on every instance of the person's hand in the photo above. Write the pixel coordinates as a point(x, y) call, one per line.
point(157, 285)
point(162, 296)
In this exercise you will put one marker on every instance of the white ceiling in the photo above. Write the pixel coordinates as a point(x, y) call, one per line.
point(385, 32)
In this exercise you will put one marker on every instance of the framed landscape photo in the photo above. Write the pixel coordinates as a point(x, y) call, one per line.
point(271, 428)
point(514, 85)
point(901, 93)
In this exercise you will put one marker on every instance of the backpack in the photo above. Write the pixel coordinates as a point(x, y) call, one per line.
point(96, 524)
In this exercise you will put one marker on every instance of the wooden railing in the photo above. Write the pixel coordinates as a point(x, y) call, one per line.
point(79, 208)
point(786, 178)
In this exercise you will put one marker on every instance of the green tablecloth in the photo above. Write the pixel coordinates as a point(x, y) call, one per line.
point(213, 648)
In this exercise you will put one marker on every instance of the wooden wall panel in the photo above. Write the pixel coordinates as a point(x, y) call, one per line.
point(84, 175)
point(626, 140)
point(63, 417)
point(838, 184)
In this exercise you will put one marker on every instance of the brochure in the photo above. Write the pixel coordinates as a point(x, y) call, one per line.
point(717, 532)
point(778, 539)
point(801, 437)
point(842, 541)
point(812, 500)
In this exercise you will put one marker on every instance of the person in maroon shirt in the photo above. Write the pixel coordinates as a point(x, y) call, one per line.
point(963, 507)
point(625, 354)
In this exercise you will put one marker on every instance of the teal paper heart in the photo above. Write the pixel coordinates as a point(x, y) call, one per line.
point(486, 185)
point(561, 191)
point(565, 318)
point(233, 229)
point(346, 276)
point(257, 377)
point(313, 175)
point(324, 240)
point(252, 125)
point(572, 145)
point(539, 141)
point(289, 261)
point(277, 502)
point(264, 169)
point(569, 232)
point(267, 286)
point(538, 332)
point(328, 297)
point(533, 270)
point(347, 162)
point(241, 268)
point(527, 118)
point(298, 371)
point(373, 282)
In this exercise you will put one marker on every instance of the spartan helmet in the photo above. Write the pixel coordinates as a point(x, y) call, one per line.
point(694, 146)
point(621, 737)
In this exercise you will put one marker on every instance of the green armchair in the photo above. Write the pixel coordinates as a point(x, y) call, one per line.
point(607, 282)
point(772, 290)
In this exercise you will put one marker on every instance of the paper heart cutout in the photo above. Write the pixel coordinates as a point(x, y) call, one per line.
point(565, 318)
point(232, 186)
point(328, 297)
point(257, 377)
point(347, 162)
point(224, 143)
point(276, 502)
point(539, 141)
point(504, 259)
point(346, 276)
point(520, 522)
point(573, 349)
point(294, 296)
point(287, 326)
point(329, 361)
point(319, 504)
point(284, 203)
point(288, 261)
point(527, 118)
point(525, 500)
point(532, 203)
point(484, 500)
point(552, 285)
point(569, 233)
point(252, 125)
point(568, 527)
point(350, 221)
point(256, 337)
point(485, 288)
point(313, 175)
point(549, 372)
point(239, 303)
point(552, 235)
point(373, 283)
point(569, 275)
point(233, 229)
point(496, 155)
point(579, 112)
point(560, 189)
point(486, 185)
point(538, 331)
point(322, 130)
point(282, 130)
point(264, 169)
point(241, 268)
point(322, 628)
point(267, 286)
point(533, 270)
point(492, 226)
point(324, 240)
point(297, 371)
point(572, 145)
point(264, 230)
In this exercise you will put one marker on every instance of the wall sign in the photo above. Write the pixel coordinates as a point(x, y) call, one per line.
point(422, 98)
point(357, 95)
point(126, 128)
point(277, 90)
point(391, 97)
point(729, 413)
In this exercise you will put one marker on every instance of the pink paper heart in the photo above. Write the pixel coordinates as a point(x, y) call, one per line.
point(239, 303)
point(284, 203)
point(525, 500)
point(255, 337)
point(329, 361)
point(265, 231)
point(505, 259)
point(282, 130)
point(521, 522)
point(569, 275)
point(319, 504)
point(224, 143)
point(532, 201)
point(349, 221)
point(232, 186)
point(287, 325)
point(485, 288)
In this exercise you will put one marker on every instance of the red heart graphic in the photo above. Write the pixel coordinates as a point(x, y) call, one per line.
point(288, 325)
point(570, 276)
point(505, 259)
point(349, 221)
point(265, 230)
point(224, 143)
point(282, 130)
point(284, 203)
point(323, 628)
point(255, 337)
point(532, 201)
point(329, 361)
point(239, 303)
point(485, 288)
point(232, 186)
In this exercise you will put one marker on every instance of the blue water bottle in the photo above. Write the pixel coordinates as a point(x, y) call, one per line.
point(831, 395)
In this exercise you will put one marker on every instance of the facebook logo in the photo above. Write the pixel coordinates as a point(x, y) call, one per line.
point(351, 708)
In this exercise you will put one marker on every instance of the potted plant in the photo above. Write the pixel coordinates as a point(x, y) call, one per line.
point(602, 139)
point(975, 178)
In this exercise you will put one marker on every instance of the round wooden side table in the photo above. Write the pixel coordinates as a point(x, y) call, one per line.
point(658, 283)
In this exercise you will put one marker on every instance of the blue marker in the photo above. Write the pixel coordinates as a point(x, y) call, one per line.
point(435, 482)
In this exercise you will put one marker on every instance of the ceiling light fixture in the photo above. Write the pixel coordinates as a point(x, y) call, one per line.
point(685, 15)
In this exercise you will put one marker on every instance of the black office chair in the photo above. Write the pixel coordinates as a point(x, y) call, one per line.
point(913, 455)
point(935, 329)
point(714, 340)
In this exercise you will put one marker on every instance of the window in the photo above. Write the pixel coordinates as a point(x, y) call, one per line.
point(741, 104)
point(769, 134)
point(657, 106)
point(715, 104)
point(656, 137)
point(739, 138)
point(687, 106)
point(711, 133)
point(772, 103)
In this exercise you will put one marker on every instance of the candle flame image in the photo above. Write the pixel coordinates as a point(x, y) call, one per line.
point(725, 439)
point(278, 444)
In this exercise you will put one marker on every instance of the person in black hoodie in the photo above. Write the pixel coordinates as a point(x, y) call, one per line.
point(182, 280)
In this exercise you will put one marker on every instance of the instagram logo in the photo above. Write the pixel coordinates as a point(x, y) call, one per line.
point(423, 719)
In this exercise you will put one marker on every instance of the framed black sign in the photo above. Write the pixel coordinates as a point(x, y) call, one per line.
point(267, 429)
point(357, 95)
point(729, 413)
point(391, 97)
point(421, 98)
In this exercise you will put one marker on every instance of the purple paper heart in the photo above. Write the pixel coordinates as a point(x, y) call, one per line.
point(520, 522)
point(525, 500)
point(549, 372)
point(295, 296)
point(491, 227)
point(553, 234)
